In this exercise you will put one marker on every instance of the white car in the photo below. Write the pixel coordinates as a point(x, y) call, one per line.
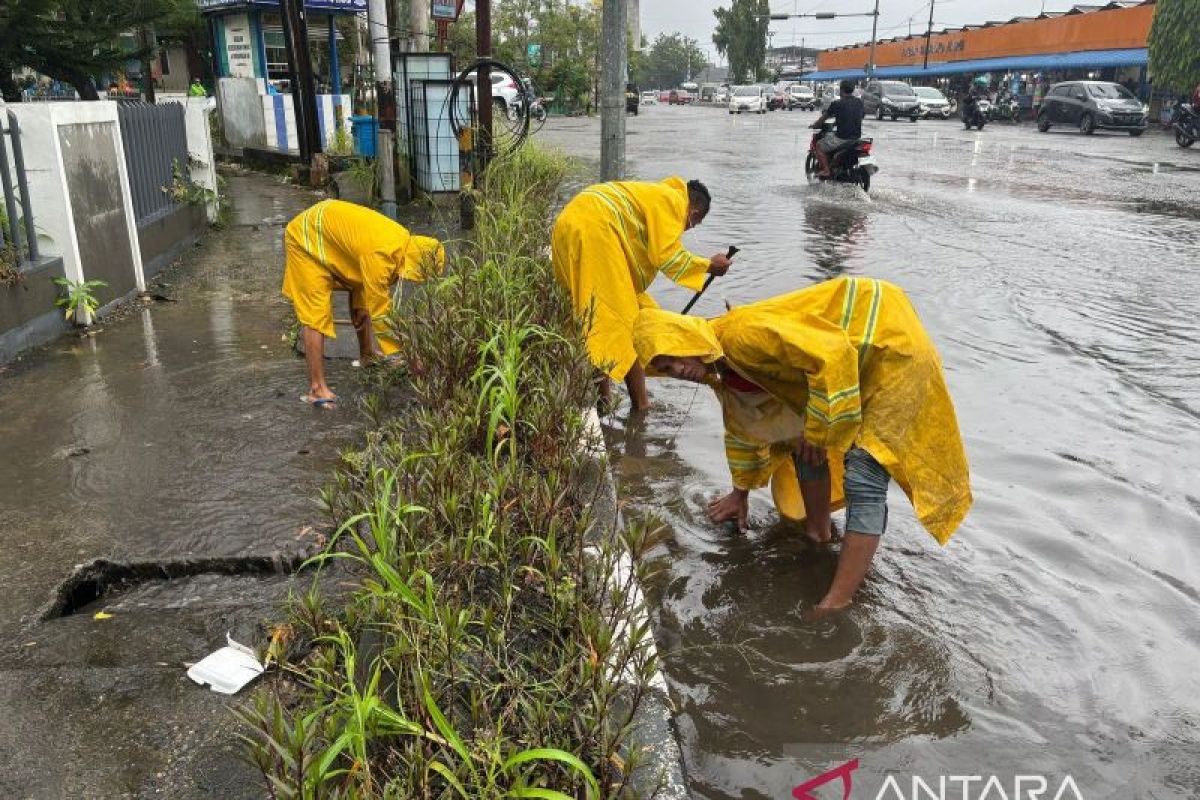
point(934, 104)
point(747, 98)
point(505, 93)
point(801, 96)
point(649, 98)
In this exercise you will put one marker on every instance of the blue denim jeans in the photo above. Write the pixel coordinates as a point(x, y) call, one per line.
point(865, 486)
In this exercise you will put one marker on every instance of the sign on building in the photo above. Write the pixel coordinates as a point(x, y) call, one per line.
point(239, 45)
point(446, 9)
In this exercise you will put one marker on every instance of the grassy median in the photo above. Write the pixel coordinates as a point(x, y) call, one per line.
point(483, 652)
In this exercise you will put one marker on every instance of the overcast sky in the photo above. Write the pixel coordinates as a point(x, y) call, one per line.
point(694, 18)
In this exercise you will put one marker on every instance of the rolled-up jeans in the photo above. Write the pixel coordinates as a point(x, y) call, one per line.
point(865, 487)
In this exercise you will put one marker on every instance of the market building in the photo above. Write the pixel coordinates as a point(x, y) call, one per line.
point(1100, 42)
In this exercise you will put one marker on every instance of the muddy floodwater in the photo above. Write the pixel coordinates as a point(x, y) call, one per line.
point(1058, 634)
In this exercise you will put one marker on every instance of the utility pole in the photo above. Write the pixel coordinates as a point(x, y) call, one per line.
point(304, 88)
point(385, 104)
point(418, 24)
point(147, 41)
point(483, 44)
point(928, 33)
point(874, 36)
point(613, 70)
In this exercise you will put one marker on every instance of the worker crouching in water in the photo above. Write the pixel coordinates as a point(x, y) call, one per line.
point(609, 243)
point(838, 386)
point(336, 245)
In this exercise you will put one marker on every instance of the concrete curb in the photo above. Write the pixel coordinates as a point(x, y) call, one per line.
point(661, 774)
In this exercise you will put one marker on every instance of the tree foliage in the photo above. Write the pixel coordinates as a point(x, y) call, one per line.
point(741, 36)
point(1175, 45)
point(672, 60)
point(75, 41)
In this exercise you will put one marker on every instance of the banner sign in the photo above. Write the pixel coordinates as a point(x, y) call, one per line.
point(446, 9)
point(311, 5)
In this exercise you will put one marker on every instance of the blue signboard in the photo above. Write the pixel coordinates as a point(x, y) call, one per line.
point(311, 5)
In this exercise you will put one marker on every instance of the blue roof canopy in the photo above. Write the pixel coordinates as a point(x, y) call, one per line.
point(1084, 59)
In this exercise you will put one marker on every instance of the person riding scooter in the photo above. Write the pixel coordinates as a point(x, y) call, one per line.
point(848, 113)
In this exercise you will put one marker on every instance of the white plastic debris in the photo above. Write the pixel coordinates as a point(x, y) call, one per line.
point(228, 669)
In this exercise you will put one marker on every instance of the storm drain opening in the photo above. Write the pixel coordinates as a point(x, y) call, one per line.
point(102, 580)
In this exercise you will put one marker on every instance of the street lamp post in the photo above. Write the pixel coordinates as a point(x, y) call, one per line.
point(874, 31)
point(928, 33)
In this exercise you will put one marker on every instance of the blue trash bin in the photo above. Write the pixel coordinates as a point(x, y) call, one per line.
point(364, 129)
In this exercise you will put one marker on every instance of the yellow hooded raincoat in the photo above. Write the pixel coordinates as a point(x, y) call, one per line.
point(843, 363)
point(609, 243)
point(339, 245)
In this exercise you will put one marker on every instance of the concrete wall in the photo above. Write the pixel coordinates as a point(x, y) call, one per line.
point(28, 316)
point(279, 115)
point(83, 210)
point(239, 101)
point(79, 190)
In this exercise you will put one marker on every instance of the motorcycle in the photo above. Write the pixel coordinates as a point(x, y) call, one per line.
point(851, 162)
point(1185, 120)
point(1006, 109)
point(975, 112)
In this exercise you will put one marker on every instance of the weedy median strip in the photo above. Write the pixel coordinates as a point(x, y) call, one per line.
point(482, 652)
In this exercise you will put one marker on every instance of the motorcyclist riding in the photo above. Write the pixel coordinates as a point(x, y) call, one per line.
point(848, 112)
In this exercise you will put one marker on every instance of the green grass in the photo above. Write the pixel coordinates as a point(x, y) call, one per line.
point(475, 657)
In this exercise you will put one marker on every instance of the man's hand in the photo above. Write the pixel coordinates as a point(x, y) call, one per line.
point(719, 264)
point(811, 454)
point(733, 507)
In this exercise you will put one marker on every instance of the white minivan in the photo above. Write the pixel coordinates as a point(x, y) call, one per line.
point(747, 98)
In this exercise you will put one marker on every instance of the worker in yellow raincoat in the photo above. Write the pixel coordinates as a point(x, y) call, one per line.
point(609, 243)
point(839, 376)
point(338, 245)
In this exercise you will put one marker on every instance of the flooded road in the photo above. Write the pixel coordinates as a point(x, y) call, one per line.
point(1059, 632)
point(175, 434)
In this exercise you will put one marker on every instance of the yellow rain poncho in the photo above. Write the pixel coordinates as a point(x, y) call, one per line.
point(843, 363)
point(609, 243)
point(339, 245)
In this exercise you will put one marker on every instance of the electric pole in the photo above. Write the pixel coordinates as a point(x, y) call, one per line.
point(418, 24)
point(304, 87)
point(928, 33)
point(483, 44)
point(613, 70)
point(385, 104)
point(874, 36)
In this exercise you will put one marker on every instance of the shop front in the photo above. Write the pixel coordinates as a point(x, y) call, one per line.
point(1022, 56)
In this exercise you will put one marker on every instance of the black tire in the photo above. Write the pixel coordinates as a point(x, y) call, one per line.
point(1183, 140)
point(864, 180)
point(879, 113)
point(1136, 133)
point(967, 124)
point(1087, 124)
point(1043, 123)
point(893, 118)
point(913, 118)
point(811, 167)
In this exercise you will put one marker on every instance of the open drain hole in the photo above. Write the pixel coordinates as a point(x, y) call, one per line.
point(100, 579)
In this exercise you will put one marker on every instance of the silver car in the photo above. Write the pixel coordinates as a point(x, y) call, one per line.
point(934, 104)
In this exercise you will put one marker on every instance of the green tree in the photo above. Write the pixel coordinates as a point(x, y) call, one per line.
point(1175, 45)
point(741, 36)
point(74, 40)
point(672, 60)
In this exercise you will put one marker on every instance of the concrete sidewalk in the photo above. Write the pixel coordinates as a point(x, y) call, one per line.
point(174, 435)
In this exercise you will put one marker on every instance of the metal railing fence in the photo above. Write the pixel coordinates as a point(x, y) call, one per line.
point(22, 243)
point(155, 140)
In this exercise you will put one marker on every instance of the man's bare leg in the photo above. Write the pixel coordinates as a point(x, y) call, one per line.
point(823, 160)
point(314, 358)
point(362, 329)
point(818, 523)
point(635, 382)
point(858, 550)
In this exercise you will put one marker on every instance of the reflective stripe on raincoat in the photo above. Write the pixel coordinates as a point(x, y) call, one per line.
point(339, 245)
point(609, 243)
point(848, 363)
